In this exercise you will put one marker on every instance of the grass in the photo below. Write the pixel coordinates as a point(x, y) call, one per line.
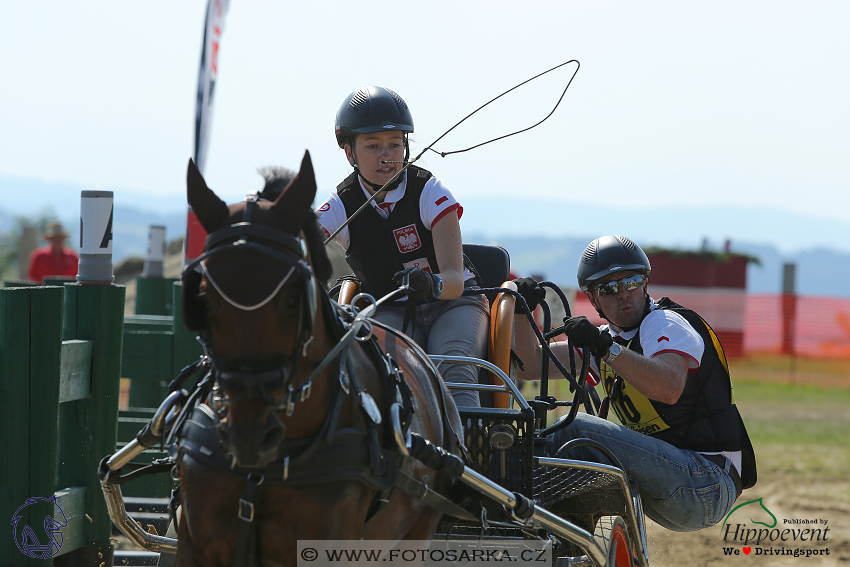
point(792, 370)
point(799, 431)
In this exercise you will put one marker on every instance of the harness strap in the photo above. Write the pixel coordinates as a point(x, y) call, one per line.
point(347, 458)
point(430, 498)
point(441, 390)
point(409, 317)
point(245, 554)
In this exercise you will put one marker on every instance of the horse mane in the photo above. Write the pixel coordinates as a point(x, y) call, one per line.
point(315, 237)
point(277, 178)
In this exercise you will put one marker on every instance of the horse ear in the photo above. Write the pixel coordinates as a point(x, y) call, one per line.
point(210, 210)
point(296, 200)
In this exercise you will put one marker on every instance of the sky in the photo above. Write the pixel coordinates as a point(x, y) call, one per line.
point(676, 104)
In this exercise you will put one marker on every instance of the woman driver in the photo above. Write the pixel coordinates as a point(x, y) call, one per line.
point(412, 227)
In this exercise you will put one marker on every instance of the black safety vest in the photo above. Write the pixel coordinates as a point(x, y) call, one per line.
point(705, 418)
point(381, 247)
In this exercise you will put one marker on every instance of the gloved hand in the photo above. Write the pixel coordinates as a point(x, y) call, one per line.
point(530, 291)
point(582, 333)
point(422, 284)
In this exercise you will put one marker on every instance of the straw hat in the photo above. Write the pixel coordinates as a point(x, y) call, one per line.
point(54, 230)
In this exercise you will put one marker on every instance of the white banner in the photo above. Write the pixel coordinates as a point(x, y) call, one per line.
point(96, 222)
point(214, 26)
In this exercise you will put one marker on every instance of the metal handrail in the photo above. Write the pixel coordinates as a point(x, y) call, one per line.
point(508, 387)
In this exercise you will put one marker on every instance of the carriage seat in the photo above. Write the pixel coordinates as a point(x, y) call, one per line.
point(493, 264)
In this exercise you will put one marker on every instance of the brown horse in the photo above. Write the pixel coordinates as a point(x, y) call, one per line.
point(293, 444)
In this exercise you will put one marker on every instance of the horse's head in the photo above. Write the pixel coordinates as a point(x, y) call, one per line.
point(254, 296)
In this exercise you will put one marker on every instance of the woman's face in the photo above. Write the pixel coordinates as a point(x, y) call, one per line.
point(370, 150)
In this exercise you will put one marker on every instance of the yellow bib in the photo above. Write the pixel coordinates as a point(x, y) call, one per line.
point(633, 409)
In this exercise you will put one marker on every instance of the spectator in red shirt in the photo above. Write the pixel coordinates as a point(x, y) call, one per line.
point(55, 259)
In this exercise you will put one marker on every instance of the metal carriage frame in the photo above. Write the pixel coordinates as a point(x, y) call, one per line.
point(515, 489)
point(554, 484)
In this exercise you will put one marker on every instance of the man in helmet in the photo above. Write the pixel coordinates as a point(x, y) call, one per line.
point(682, 440)
point(411, 228)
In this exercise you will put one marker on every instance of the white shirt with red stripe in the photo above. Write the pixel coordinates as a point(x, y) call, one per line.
point(435, 202)
point(661, 331)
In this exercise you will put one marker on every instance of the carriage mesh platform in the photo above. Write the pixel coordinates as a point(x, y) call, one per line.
point(553, 484)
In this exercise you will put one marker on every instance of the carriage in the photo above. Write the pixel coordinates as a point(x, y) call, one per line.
point(496, 483)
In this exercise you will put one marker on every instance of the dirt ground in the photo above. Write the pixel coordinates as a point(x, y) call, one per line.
point(800, 436)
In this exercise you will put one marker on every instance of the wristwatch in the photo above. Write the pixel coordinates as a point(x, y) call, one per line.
point(613, 352)
point(438, 288)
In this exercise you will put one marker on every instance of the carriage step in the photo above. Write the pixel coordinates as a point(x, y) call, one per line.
point(135, 558)
point(147, 511)
point(159, 522)
point(152, 505)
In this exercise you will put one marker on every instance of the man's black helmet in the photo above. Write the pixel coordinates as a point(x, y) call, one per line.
point(607, 255)
point(369, 110)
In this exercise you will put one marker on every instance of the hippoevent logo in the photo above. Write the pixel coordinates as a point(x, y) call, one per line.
point(27, 540)
point(798, 537)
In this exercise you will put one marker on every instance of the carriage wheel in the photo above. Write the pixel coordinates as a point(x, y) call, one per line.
point(613, 538)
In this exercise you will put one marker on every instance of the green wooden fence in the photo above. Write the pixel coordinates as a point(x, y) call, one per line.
point(156, 347)
point(60, 367)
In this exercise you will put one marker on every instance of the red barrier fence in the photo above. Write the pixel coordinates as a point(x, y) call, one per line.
point(805, 326)
point(820, 326)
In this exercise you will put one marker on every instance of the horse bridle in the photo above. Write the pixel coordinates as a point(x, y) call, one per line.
point(255, 377)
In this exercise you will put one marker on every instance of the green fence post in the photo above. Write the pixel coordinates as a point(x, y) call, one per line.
point(30, 346)
point(87, 428)
point(45, 355)
point(153, 295)
point(147, 363)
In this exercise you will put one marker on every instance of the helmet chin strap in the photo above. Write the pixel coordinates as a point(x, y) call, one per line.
point(632, 327)
point(377, 186)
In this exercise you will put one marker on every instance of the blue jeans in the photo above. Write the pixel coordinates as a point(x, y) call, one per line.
point(680, 489)
point(456, 327)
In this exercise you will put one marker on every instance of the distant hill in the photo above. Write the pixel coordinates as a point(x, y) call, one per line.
point(819, 271)
point(542, 237)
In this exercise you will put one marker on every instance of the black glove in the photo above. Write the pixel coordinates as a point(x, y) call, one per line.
point(530, 292)
point(582, 333)
point(422, 283)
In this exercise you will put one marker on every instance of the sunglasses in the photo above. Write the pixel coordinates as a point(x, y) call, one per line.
point(631, 283)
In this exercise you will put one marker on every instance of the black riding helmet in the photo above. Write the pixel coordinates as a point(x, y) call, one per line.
point(369, 110)
point(608, 255)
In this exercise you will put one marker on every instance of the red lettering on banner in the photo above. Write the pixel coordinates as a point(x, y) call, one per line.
point(214, 58)
point(407, 239)
point(325, 207)
point(663, 338)
point(441, 200)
